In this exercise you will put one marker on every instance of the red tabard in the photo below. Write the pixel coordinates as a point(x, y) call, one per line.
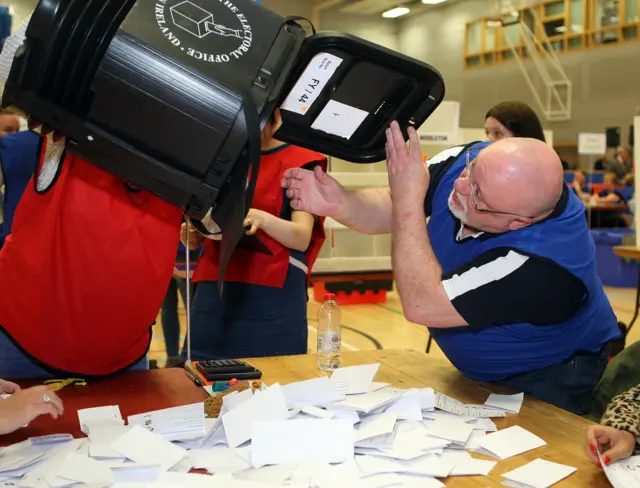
point(258, 268)
point(84, 273)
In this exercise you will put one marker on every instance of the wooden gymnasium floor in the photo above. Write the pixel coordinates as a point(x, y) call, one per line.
point(384, 326)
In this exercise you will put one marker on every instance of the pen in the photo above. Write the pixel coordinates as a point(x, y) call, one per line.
point(193, 378)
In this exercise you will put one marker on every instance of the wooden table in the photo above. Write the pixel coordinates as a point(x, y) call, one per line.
point(141, 392)
point(631, 252)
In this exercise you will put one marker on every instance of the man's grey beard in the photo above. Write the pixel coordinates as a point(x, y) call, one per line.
point(458, 213)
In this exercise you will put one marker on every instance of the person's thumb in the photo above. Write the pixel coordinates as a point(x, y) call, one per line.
point(321, 176)
point(616, 453)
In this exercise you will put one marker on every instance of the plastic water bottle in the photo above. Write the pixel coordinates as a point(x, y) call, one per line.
point(329, 334)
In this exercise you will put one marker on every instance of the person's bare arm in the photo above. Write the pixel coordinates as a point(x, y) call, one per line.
point(294, 234)
point(367, 211)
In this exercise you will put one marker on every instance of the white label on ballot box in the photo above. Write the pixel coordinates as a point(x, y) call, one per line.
point(313, 80)
point(339, 119)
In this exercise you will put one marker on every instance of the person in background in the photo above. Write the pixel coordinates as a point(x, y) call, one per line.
point(169, 311)
point(9, 122)
point(622, 164)
point(512, 119)
point(618, 435)
point(580, 187)
point(19, 407)
point(18, 156)
point(610, 193)
point(263, 308)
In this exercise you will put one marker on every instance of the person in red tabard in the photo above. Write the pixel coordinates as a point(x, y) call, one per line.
point(263, 308)
point(83, 272)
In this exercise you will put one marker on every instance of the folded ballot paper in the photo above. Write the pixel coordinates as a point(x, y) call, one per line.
point(346, 430)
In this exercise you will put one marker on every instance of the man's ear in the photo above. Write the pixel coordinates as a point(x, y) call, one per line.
point(520, 223)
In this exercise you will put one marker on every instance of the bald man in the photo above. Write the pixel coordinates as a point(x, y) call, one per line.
point(504, 276)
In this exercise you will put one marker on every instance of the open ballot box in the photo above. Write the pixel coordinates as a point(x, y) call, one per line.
point(172, 95)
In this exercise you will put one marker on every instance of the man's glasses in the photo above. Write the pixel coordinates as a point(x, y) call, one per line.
point(472, 189)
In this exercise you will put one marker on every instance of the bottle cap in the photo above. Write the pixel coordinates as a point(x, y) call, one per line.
point(329, 296)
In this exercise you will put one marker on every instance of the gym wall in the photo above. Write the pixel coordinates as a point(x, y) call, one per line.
point(604, 80)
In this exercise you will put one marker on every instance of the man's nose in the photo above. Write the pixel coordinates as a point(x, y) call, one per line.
point(461, 185)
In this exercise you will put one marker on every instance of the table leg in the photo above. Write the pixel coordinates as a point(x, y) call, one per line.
point(635, 314)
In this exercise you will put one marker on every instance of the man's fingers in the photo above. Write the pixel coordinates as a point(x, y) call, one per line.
point(414, 139)
point(293, 173)
point(397, 137)
point(391, 152)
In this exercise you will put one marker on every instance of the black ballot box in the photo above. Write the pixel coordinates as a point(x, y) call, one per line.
point(171, 95)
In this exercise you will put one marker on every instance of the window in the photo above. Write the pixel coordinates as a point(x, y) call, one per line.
point(567, 25)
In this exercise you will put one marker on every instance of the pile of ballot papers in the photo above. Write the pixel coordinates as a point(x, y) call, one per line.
point(330, 432)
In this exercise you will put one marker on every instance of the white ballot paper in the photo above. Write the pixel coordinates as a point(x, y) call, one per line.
point(510, 442)
point(315, 392)
point(144, 447)
point(624, 473)
point(509, 403)
point(538, 474)
point(264, 406)
point(174, 424)
point(295, 441)
point(111, 412)
point(359, 378)
point(456, 407)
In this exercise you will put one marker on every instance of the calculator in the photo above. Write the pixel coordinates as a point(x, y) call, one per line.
point(228, 369)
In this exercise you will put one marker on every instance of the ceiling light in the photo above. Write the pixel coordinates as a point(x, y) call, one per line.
point(396, 12)
point(433, 2)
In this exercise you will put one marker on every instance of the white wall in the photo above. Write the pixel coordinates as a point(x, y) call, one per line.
point(373, 28)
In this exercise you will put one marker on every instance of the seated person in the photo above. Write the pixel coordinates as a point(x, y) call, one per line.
point(580, 187)
point(613, 195)
point(23, 406)
point(618, 436)
point(610, 193)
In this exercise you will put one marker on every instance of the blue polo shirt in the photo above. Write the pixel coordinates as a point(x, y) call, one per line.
point(532, 297)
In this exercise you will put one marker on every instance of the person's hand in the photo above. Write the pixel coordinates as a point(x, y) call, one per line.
point(613, 444)
point(408, 175)
point(195, 238)
point(255, 220)
point(8, 388)
point(26, 405)
point(314, 191)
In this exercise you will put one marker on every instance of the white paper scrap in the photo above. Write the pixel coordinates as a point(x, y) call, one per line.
point(540, 473)
point(624, 473)
point(294, 441)
point(174, 424)
point(111, 412)
point(509, 403)
point(510, 442)
point(144, 447)
point(339, 119)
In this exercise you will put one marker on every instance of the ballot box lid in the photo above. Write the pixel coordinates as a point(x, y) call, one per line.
point(344, 91)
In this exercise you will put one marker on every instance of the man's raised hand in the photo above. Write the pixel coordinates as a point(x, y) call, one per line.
point(314, 191)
